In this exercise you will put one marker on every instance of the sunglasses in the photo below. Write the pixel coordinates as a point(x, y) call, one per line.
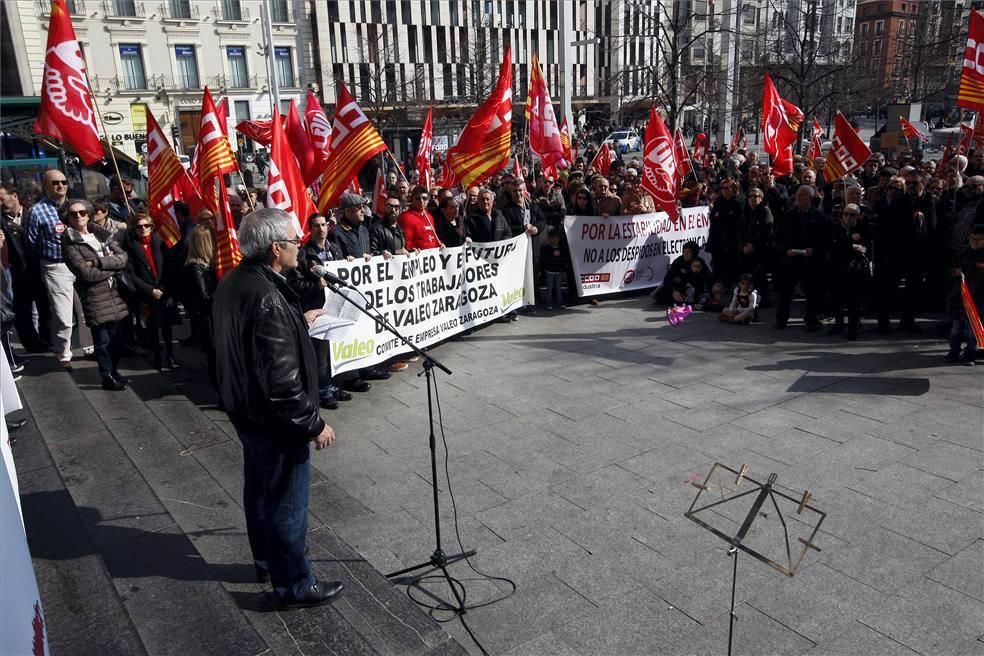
point(60, 183)
point(74, 213)
point(144, 226)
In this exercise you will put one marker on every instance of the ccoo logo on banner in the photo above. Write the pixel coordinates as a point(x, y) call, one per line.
point(622, 253)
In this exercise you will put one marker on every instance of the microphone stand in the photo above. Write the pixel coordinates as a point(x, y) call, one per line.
point(438, 560)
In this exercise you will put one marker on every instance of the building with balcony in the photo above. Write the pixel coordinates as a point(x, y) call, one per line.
point(157, 55)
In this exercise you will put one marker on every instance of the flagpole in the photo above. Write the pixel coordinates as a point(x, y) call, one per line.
point(249, 198)
point(112, 153)
point(398, 169)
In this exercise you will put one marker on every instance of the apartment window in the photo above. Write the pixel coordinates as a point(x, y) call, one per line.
point(876, 48)
point(279, 11)
point(448, 81)
point(748, 15)
point(406, 11)
point(131, 61)
point(241, 110)
point(848, 24)
point(391, 12)
point(187, 63)
point(124, 8)
point(232, 10)
point(879, 27)
point(238, 71)
point(179, 8)
point(864, 28)
point(412, 43)
point(442, 46)
point(285, 66)
point(435, 12)
point(284, 107)
point(697, 54)
point(455, 19)
point(375, 15)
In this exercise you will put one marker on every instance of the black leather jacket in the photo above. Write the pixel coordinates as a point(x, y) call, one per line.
point(266, 369)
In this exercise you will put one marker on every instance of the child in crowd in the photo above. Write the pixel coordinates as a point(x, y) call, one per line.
point(697, 284)
point(744, 303)
point(555, 260)
point(969, 265)
point(714, 301)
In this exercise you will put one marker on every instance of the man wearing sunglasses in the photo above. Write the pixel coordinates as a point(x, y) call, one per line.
point(417, 223)
point(43, 237)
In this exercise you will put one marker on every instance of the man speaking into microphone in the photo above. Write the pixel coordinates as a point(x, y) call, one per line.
point(267, 379)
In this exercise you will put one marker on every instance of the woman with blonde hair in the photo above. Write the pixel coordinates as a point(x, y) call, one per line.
point(200, 283)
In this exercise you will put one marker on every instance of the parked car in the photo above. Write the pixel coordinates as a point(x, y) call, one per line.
point(625, 141)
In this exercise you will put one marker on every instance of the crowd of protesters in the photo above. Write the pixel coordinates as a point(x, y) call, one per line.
point(893, 240)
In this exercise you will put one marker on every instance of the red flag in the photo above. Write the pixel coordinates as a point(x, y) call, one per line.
point(684, 165)
point(213, 155)
point(308, 161)
point(354, 142)
point(318, 128)
point(566, 141)
point(947, 154)
point(285, 186)
point(971, 309)
point(971, 92)
point(783, 164)
point(379, 196)
point(847, 151)
point(659, 165)
point(817, 128)
point(603, 159)
point(978, 135)
point(164, 171)
point(738, 140)
point(227, 254)
point(966, 139)
point(447, 178)
point(259, 130)
point(67, 112)
point(700, 146)
point(483, 146)
point(910, 131)
point(425, 174)
point(780, 120)
point(541, 121)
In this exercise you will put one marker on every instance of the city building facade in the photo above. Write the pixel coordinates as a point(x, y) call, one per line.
point(157, 55)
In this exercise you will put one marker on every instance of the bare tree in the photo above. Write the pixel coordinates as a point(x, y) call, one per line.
point(800, 50)
point(928, 54)
point(687, 65)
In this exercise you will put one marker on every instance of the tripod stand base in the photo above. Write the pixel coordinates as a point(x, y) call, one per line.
point(438, 560)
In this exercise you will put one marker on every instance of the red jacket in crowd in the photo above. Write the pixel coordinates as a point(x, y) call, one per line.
point(418, 228)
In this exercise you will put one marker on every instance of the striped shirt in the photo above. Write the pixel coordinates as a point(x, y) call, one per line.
point(44, 230)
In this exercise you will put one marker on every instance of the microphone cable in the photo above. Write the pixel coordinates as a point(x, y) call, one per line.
point(457, 584)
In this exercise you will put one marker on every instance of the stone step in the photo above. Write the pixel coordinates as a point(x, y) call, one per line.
point(159, 481)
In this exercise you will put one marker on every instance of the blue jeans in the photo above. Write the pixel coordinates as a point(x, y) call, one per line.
point(107, 342)
point(554, 280)
point(275, 498)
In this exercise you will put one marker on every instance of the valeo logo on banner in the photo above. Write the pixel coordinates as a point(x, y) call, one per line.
point(353, 350)
point(508, 298)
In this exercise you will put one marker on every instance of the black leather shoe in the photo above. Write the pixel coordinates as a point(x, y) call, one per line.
point(340, 394)
point(120, 377)
point(110, 384)
point(316, 595)
point(172, 364)
point(378, 373)
point(262, 574)
point(356, 385)
point(17, 424)
point(329, 403)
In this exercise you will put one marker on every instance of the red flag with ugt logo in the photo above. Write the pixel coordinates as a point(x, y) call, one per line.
point(318, 127)
point(659, 165)
point(847, 151)
point(971, 92)
point(737, 141)
point(544, 132)
point(425, 174)
point(910, 131)
point(781, 120)
point(67, 112)
point(308, 161)
point(285, 186)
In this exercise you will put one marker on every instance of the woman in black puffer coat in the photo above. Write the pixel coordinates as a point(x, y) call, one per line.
point(96, 259)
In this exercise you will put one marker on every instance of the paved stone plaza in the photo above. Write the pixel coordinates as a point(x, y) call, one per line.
point(574, 441)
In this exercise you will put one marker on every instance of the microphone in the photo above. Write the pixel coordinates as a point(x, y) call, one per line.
point(322, 272)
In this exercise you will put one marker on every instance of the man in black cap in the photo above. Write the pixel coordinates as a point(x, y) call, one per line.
point(352, 238)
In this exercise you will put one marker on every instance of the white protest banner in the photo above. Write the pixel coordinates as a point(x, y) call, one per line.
point(428, 297)
point(622, 253)
point(22, 627)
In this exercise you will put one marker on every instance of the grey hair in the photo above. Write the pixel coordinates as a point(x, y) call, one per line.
point(75, 201)
point(811, 190)
point(260, 229)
